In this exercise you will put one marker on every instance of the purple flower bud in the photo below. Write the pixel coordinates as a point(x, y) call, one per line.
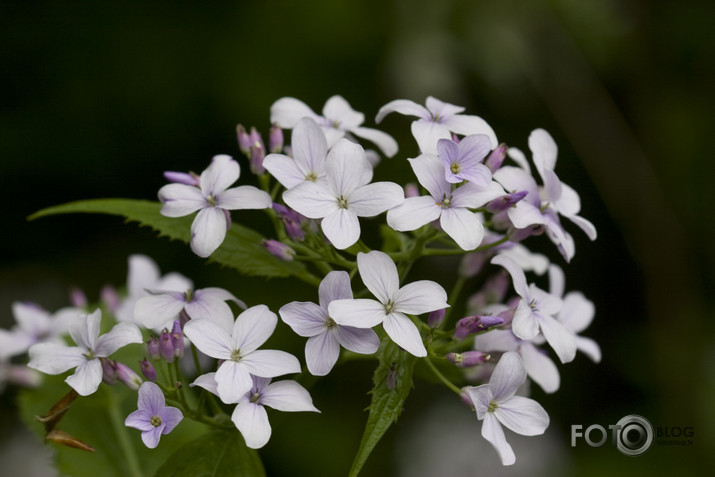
point(147, 370)
point(496, 158)
point(517, 235)
point(504, 202)
point(257, 140)
point(109, 372)
point(411, 190)
point(166, 346)
point(256, 155)
point(183, 318)
point(182, 178)
point(244, 140)
point(468, 359)
point(455, 138)
point(466, 398)
point(275, 139)
point(110, 297)
point(472, 264)
point(435, 318)
point(475, 324)
point(177, 339)
point(292, 221)
point(279, 249)
point(154, 348)
point(78, 298)
point(127, 376)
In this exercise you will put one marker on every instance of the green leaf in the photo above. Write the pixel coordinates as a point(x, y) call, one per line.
point(215, 454)
point(392, 384)
point(241, 249)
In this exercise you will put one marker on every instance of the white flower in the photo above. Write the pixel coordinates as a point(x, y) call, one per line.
point(379, 274)
point(239, 349)
point(448, 204)
point(346, 196)
point(496, 404)
point(325, 335)
point(338, 119)
point(213, 200)
point(437, 121)
point(36, 325)
point(51, 358)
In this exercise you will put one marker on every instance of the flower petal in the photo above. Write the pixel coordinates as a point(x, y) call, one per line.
point(154, 311)
point(52, 358)
point(243, 197)
point(544, 149)
point(402, 106)
point(151, 398)
point(463, 226)
point(508, 375)
point(467, 125)
point(561, 340)
point(358, 340)
point(341, 227)
point(253, 327)
point(413, 213)
point(269, 363)
point(577, 312)
point(373, 199)
point(589, 347)
point(310, 199)
point(518, 277)
point(339, 111)
point(286, 112)
point(84, 329)
point(404, 333)
point(170, 417)
point(151, 437)
point(179, 200)
point(525, 324)
point(345, 168)
point(215, 310)
point(284, 169)
point(233, 381)
point(209, 338)
point(430, 173)
point(335, 286)
point(86, 378)
point(379, 274)
point(143, 273)
point(321, 353)
point(252, 421)
point(121, 335)
point(305, 318)
point(360, 313)
point(140, 419)
point(471, 195)
point(287, 396)
point(523, 416)
point(221, 173)
point(208, 231)
point(427, 133)
point(493, 432)
point(382, 140)
point(420, 297)
point(540, 368)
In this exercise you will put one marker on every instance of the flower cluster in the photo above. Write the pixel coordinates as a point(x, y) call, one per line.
point(476, 198)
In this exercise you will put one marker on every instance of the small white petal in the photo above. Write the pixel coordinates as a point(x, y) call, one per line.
point(335, 286)
point(284, 169)
point(269, 363)
point(524, 214)
point(379, 274)
point(420, 297)
point(210, 338)
point(517, 275)
point(243, 197)
point(467, 125)
point(208, 231)
point(208, 382)
point(313, 200)
point(402, 106)
point(309, 147)
point(358, 340)
point(155, 310)
point(321, 353)
point(430, 173)
point(589, 347)
point(584, 225)
point(525, 324)
point(179, 200)
point(382, 140)
point(341, 227)
point(561, 340)
point(376, 198)
point(151, 398)
point(287, 396)
point(544, 149)
point(472, 195)
point(427, 133)
point(540, 368)
point(463, 226)
point(496, 340)
point(523, 416)
point(305, 318)
point(360, 313)
point(86, 378)
point(233, 380)
point(508, 375)
point(253, 327)
point(493, 432)
point(252, 422)
point(404, 333)
point(481, 397)
point(143, 273)
point(222, 172)
point(121, 335)
point(338, 110)
point(286, 112)
point(215, 310)
point(413, 213)
point(52, 358)
point(84, 329)
point(345, 167)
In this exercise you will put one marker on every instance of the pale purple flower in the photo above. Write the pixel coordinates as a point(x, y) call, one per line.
point(379, 274)
point(338, 119)
point(153, 417)
point(52, 358)
point(160, 308)
point(36, 325)
point(213, 200)
point(462, 160)
point(535, 311)
point(496, 404)
point(448, 204)
point(239, 350)
point(437, 121)
point(325, 336)
point(346, 196)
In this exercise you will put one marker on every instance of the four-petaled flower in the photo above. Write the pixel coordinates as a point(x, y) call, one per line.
point(462, 160)
point(153, 417)
point(36, 325)
point(52, 358)
point(213, 200)
point(496, 404)
point(379, 274)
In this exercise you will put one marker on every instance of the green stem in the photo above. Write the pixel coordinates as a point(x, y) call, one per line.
point(123, 439)
point(441, 377)
point(195, 355)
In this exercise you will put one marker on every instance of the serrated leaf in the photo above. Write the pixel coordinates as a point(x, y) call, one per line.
point(215, 454)
point(392, 384)
point(241, 249)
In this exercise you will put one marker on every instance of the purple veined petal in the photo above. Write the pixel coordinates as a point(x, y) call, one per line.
point(585, 225)
point(233, 381)
point(430, 173)
point(516, 155)
point(269, 363)
point(475, 147)
point(286, 112)
point(524, 214)
point(215, 293)
point(493, 432)
point(338, 110)
point(156, 310)
point(209, 338)
point(86, 377)
point(523, 416)
point(379, 274)
point(463, 226)
point(179, 200)
point(221, 173)
point(382, 140)
point(143, 274)
point(284, 169)
point(525, 324)
point(151, 437)
point(322, 352)
point(402, 106)
point(471, 195)
point(496, 340)
point(360, 313)
point(507, 376)
point(540, 368)
point(420, 297)
point(413, 213)
point(251, 420)
point(309, 146)
point(404, 333)
point(170, 417)
point(208, 231)
point(215, 310)
point(589, 347)
point(121, 335)
point(448, 153)
point(559, 338)
point(84, 329)
point(557, 281)
point(315, 201)
point(467, 125)
point(52, 358)
point(208, 382)
point(287, 396)
point(140, 419)
point(344, 167)
point(244, 197)
point(514, 179)
point(253, 327)
point(441, 110)
point(335, 286)
point(481, 397)
point(477, 174)
point(577, 312)
point(341, 227)
point(305, 318)
point(151, 398)
point(544, 149)
point(427, 133)
point(517, 275)
point(357, 340)
point(332, 135)
point(373, 199)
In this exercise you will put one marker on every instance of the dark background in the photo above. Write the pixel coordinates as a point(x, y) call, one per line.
point(98, 100)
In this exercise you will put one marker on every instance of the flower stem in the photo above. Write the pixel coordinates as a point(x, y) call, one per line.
point(120, 431)
point(441, 377)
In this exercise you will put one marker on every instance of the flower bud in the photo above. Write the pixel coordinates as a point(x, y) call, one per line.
point(471, 264)
point(468, 359)
point(109, 372)
point(475, 324)
point(244, 140)
point(177, 339)
point(110, 297)
point(147, 370)
point(275, 139)
point(496, 158)
point(256, 155)
point(153, 348)
point(411, 190)
point(127, 376)
point(292, 221)
point(435, 318)
point(182, 178)
point(78, 298)
point(166, 346)
point(279, 249)
point(505, 201)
